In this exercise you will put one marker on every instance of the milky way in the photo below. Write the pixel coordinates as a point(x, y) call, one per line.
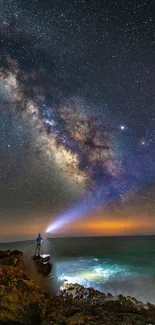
point(65, 133)
point(81, 75)
point(77, 143)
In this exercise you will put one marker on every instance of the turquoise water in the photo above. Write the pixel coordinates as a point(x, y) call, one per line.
point(110, 264)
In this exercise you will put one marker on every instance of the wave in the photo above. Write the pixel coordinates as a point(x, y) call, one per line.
point(109, 278)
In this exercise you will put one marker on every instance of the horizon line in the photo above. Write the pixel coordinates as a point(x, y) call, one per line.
point(65, 237)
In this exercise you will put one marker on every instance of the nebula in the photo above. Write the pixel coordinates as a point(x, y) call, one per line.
point(76, 142)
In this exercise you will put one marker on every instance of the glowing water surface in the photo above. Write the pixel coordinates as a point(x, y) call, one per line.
point(109, 277)
point(118, 265)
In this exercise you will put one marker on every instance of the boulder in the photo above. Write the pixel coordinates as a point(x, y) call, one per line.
point(42, 258)
point(42, 264)
point(44, 268)
point(16, 252)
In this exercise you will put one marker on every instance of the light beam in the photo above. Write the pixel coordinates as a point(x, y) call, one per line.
point(103, 195)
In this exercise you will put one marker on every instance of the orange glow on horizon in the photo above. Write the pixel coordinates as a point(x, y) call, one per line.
point(90, 226)
point(110, 227)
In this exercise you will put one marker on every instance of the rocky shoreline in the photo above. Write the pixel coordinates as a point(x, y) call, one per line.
point(23, 301)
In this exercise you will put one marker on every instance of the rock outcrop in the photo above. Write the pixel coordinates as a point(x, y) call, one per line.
point(23, 302)
point(43, 265)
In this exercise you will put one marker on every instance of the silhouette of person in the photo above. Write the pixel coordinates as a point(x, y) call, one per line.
point(39, 240)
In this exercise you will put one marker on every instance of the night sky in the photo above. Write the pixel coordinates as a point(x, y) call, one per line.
point(77, 82)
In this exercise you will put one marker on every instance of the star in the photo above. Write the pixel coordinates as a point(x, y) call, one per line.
point(143, 142)
point(122, 127)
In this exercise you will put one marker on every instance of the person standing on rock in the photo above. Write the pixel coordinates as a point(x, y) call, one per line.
point(39, 240)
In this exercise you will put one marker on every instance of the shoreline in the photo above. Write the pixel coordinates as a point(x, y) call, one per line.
point(24, 302)
point(118, 273)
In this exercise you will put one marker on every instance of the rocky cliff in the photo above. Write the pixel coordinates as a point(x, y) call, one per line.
point(22, 301)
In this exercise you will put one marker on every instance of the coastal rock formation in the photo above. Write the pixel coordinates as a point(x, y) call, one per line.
point(23, 302)
point(43, 265)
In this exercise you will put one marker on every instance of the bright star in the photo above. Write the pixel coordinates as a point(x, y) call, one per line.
point(143, 142)
point(122, 127)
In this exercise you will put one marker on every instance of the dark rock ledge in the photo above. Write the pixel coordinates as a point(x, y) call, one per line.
point(22, 301)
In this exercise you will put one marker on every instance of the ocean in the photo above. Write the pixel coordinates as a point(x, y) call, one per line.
point(118, 265)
